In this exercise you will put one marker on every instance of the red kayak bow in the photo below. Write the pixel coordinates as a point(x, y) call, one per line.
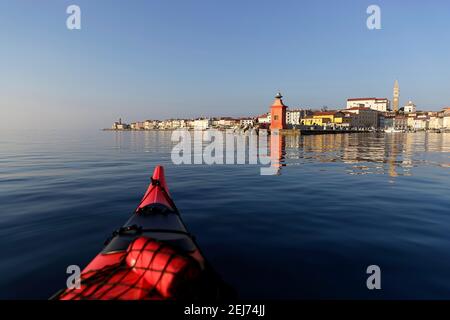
point(151, 257)
point(157, 192)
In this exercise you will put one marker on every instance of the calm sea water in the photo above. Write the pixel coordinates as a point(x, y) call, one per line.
point(340, 203)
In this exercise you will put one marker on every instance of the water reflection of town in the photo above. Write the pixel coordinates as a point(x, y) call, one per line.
point(392, 154)
point(363, 153)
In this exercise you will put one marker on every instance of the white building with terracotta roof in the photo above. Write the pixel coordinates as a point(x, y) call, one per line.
point(377, 104)
point(202, 124)
point(265, 118)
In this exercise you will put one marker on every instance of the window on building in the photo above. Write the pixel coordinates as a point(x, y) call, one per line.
point(275, 117)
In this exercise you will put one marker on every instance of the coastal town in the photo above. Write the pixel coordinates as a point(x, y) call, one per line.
point(359, 115)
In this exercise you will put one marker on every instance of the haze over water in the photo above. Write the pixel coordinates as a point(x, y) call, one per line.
point(340, 204)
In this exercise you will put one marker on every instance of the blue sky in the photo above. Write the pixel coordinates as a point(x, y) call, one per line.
point(165, 58)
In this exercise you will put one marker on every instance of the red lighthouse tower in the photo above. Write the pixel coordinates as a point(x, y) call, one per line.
point(278, 113)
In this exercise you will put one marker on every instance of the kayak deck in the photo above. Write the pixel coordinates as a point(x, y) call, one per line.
point(163, 225)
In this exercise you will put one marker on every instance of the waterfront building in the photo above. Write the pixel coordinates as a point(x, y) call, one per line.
point(363, 117)
point(165, 124)
point(265, 118)
point(201, 124)
point(446, 121)
point(381, 118)
point(410, 120)
point(151, 124)
point(118, 125)
point(327, 118)
point(246, 121)
point(137, 126)
point(436, 122)
point(278, 113)
point(421, 122)
point(346, 122)
point(309, 121)
point(400, 122)
point(333, 116)
point(178, 123)
point(396, 100)
point(189, 123)
point(295, 116)
point(388, 121)
point(121, 126)
point(227, 122)
point(162, 125)
point(446, 118)
point(377, 104)
point(170, 124)
point(410, 107)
